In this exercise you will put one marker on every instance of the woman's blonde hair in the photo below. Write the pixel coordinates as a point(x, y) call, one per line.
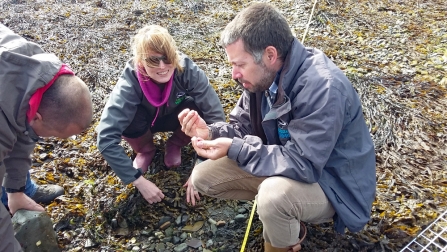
point(154, 39)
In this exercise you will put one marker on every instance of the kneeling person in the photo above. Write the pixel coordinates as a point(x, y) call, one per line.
point(297, 139)
point(156, 84)
point(40, 97)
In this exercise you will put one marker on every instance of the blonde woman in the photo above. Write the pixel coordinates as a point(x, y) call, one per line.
point(156, 84)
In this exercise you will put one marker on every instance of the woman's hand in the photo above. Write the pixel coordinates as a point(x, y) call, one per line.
point(149, 190)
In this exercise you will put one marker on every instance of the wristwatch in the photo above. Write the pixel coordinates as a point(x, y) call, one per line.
point(10, 190)
point(138, 174)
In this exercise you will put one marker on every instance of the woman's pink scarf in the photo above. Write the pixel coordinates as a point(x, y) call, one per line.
point(156, 96)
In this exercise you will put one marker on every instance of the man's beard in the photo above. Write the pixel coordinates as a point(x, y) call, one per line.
point(264, 83)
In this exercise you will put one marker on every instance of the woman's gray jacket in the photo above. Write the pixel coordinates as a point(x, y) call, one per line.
point(127, 94)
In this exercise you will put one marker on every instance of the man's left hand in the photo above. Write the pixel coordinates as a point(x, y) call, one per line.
point(192, 195)
point(19, 200)
point(213, 149)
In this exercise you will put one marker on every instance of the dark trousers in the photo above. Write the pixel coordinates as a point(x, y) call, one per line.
point(143, 120)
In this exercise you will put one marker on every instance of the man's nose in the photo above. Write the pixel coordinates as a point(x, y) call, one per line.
point(235, 74)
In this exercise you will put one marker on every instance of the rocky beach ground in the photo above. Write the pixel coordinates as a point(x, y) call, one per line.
point(394, 52)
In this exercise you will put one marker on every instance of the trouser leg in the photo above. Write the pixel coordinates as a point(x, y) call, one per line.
point(283, 203)
point(178, 139)
point(7, 240)
point(145, 149)
point(173, 148)
point(224, 179)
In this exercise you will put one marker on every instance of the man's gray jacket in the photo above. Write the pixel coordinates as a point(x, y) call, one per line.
point(314, 133)
point(24, 67)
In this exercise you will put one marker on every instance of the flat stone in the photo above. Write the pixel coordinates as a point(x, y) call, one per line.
point(198, 225)
point(185, 219)
point(169, 231)
point(178, 220)
point(209, 243)
point(181, 247)
point(183, 236)
point(242, 210)
point(175, 239)
point(160, 247)
point(240, 218)
point(34, 231)
point(122, 232)
point(194, 243)
point(146, 232)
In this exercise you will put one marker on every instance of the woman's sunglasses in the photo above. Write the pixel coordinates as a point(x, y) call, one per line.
point(154, 61)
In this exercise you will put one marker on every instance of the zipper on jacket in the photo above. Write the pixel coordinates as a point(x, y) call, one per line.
point(269, 99)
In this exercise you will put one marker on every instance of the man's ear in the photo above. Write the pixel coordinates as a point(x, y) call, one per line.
point(37, 120)
point(271, 54)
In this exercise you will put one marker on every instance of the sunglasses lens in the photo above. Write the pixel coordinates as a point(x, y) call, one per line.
point(154, 61)
point(165, 60)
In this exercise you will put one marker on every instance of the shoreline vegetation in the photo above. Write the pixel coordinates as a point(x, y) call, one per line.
point(393, 51)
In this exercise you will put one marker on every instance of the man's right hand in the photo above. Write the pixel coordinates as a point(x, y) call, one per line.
point(192, 124)
point(19, 200)
point(149, 190)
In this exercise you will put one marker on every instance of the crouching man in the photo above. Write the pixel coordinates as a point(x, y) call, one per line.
point(39, 96)
point(296, 141)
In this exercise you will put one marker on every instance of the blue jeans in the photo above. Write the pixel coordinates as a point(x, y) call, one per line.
point(30, 189)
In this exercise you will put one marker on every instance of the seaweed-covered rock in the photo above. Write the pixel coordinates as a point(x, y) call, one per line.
point(34, 231)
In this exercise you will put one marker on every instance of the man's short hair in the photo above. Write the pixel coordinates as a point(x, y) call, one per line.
point(65, 103)
point(259, 25)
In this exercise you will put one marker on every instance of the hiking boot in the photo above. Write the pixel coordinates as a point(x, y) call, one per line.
point(47, 193)
point(145, 149)
point(173, 148)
